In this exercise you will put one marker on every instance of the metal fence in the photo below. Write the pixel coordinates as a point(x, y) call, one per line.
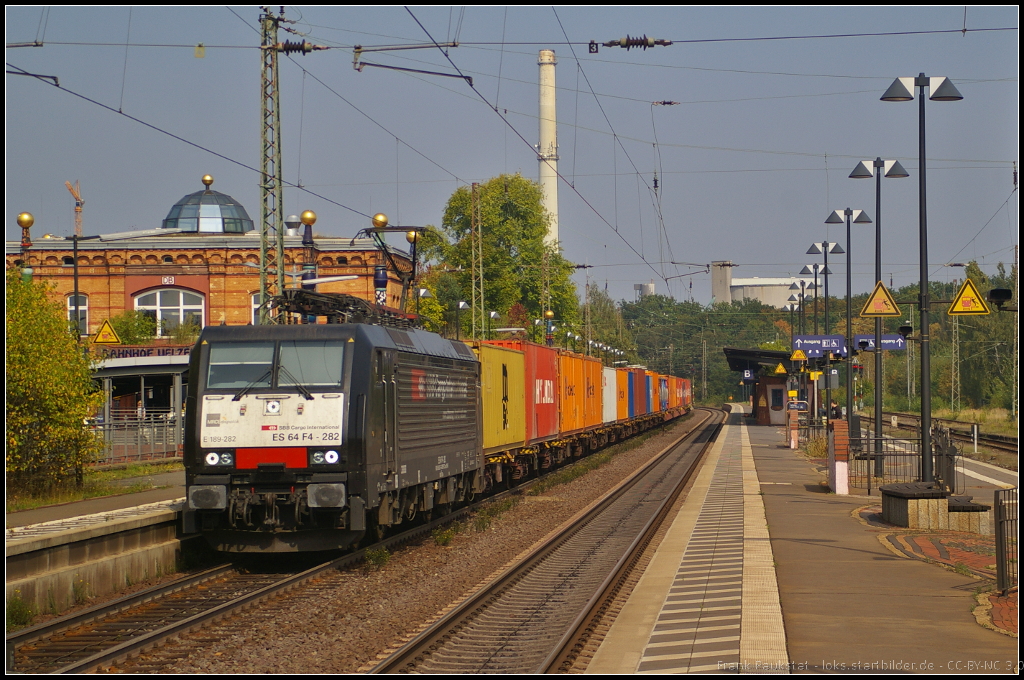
point(134, 436)
point(882, 460)
point(1005, 509)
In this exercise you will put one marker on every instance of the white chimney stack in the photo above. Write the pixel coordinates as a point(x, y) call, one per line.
point(547, 150)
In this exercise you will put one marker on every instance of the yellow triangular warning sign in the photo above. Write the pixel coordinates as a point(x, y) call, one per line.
point(968, 301)
point(780, 368)
point(798, 355)
point(880, 303)
point(106, 335)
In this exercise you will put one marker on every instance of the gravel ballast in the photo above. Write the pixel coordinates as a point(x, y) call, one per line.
point(346, 620)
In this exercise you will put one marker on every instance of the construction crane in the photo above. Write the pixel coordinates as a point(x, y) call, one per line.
point(76, 191)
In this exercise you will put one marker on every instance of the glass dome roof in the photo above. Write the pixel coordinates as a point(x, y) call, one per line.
point(209, 212)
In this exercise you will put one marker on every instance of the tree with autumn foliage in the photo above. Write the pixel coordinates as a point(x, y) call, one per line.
point(50, 392)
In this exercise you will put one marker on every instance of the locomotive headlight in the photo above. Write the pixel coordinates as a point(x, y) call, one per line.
point(331, 457)
point(219, 459)
point(318, 457)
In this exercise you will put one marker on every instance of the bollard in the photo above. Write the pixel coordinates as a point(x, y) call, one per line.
point(794, 429)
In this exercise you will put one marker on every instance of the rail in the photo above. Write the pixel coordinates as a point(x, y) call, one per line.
point(526, 589)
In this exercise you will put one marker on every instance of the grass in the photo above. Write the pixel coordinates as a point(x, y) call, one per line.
point(992, 420)
point(97, 483)
point(817, 448)
point(19, 614)
point(377, 559)
point(444, 536)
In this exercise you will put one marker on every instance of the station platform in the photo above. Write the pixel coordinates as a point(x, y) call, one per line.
point(764, 570)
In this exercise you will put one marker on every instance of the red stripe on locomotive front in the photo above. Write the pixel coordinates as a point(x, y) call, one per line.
point(291, 456)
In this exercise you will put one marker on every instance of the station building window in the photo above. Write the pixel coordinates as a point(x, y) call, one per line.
point(171, 307)
point(255, 309)
point(83, 313)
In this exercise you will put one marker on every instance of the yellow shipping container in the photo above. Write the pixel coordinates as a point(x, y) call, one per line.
point(502, 385)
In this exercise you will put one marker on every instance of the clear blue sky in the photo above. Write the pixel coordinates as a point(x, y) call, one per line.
point(750, 162)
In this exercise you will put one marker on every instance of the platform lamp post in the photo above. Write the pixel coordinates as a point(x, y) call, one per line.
point(858, 217)
point(790, 308)
point(422, 293)
point(866, 170)
point(824, 248)
point(810, 270)
point(462, 304)
point(490, 317)
point(942, 90)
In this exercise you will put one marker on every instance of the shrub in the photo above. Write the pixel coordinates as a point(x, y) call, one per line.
point(50, 392)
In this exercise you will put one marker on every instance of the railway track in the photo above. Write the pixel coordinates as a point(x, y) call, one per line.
point(536, 616)
point(911, 421)
point(105, 635)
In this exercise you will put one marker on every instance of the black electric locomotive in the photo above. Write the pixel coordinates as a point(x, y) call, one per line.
point(306, 437)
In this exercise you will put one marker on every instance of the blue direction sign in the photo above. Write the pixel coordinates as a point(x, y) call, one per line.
point(816, 345)
point(889, 342)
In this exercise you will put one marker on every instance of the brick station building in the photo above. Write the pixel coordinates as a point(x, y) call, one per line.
point(198, 265)
point(201, 265)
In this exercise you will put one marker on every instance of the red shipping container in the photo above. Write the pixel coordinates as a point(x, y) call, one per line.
point(541, 388)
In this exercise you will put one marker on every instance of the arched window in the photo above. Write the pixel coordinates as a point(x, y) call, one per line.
point(83, 313)
point(171, 307)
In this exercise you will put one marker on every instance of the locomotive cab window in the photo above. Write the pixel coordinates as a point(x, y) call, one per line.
point(240, 364)
point(311, 363)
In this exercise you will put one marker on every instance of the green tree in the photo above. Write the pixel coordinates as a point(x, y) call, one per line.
point(50, 392)
point(518, 266)
point(134, 327)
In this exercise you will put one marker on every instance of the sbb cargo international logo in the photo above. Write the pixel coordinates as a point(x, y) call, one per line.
point(432, 386)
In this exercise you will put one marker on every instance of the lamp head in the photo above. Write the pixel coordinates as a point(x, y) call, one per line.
point(999, 296)
point(901, 90)
point(864, 170)
point(895, 169)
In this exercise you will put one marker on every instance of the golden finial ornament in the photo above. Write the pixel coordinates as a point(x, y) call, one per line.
point(308, 218)
point(26, 220)
point(412, 236)
point(380, 220)
point(207, 180)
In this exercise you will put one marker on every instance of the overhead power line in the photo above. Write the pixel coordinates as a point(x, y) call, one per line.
point(40, 78)
point(525, 141)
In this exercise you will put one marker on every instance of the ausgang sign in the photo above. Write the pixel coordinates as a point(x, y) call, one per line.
point(816, 345)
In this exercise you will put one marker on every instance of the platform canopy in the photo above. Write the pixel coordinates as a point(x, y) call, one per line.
point(753, 359)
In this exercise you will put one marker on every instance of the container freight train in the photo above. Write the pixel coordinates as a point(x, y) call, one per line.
point(307, 437)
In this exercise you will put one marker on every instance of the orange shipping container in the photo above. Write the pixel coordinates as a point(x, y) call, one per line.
point(572, 385)
point(593, 395)
point(622, 393)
